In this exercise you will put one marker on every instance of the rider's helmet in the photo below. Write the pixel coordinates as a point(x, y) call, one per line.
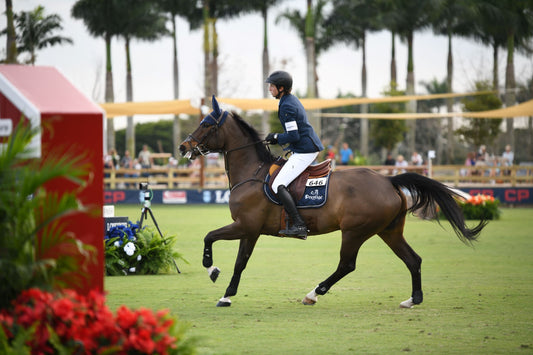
point(280, 78)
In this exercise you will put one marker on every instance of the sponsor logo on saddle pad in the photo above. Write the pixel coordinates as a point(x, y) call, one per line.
point(314, 196)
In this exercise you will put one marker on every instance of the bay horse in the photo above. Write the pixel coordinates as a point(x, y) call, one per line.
point(361, 203)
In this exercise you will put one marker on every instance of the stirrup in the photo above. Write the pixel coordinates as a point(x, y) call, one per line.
point(299, 232)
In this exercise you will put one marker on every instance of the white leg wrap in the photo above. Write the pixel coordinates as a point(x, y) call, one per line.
point(310, 299)
point(210, 270)
point(407, 303)
point(225, 300)
point(312, 295)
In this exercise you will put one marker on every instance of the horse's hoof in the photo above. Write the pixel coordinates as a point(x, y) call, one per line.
point(308, 302)
point(407, 303)
point(213, 273)
point(224, 302)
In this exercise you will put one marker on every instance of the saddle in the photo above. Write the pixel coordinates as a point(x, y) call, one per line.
point(313, 176)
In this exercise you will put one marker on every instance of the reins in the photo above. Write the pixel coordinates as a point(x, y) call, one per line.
point(226, 166)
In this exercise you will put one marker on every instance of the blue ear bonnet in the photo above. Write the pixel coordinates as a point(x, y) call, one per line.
point(217, 116)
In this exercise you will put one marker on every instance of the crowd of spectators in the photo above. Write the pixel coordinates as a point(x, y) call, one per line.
point(486, 164)
point(489, 164)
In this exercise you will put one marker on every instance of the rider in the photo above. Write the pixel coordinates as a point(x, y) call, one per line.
point(303, 142)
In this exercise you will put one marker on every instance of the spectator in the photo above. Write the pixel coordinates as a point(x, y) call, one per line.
point(126, 161)
point(400, 163)
point(331, 155)
point(507, 156)
point(482, 157)
point(108, 160)
point(469, 161)
point(346, 154)
point(416, 159)
point(390, 160)
point(136, 166)
point(172, 162)
point(507, 159)
point(115, 158)
point(145, 158)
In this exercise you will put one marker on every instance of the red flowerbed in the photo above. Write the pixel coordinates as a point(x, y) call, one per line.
point(84, 325)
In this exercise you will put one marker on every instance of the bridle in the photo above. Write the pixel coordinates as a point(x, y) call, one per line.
point(215, 122)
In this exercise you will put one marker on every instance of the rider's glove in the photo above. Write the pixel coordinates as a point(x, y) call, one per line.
point(272, 138)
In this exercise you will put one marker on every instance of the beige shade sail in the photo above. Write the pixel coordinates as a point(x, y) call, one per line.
point(176, 107)
point(315, 104)
point(521, 110)
point(149, 108)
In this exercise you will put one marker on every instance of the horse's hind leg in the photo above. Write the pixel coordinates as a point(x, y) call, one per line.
point(395, 240)
point(351, 243)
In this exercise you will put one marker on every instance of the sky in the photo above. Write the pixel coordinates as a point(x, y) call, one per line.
point(240, 48)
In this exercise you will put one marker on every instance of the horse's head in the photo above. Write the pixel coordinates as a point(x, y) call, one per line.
point(206, 137)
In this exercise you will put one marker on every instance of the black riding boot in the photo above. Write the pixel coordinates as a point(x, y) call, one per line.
point(298, 229)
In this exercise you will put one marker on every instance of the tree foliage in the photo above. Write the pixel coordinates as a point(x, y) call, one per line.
point(35, 31)
point(388, 133)
point(480, 131)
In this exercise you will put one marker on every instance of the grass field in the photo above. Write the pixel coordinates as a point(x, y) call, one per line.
point(476, 300)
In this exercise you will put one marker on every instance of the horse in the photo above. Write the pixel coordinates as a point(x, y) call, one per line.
point(361, 203)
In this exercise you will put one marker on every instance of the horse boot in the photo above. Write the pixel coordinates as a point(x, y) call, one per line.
point(298, 228)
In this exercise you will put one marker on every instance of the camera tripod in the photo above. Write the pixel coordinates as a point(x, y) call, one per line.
point(144, 215)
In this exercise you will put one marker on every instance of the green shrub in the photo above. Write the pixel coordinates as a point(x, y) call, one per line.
point(131, 250)
point(30, 219)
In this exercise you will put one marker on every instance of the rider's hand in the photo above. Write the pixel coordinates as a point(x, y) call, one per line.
point(272, 138)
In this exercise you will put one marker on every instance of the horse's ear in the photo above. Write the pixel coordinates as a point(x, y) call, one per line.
point(216, 108)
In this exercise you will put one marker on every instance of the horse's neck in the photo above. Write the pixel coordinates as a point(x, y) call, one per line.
point(242, 164)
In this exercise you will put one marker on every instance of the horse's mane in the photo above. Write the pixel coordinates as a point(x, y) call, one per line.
point(264, 154)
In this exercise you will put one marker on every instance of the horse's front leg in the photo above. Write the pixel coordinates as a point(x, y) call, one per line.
point(229, 232)
point(246, 247)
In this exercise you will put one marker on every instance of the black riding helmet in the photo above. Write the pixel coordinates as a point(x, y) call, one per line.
point(280, 78)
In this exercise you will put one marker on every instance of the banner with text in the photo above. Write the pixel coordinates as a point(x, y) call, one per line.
point(506, 195)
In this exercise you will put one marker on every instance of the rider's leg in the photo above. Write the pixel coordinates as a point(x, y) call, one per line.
point(298, 227)
point(295, 165)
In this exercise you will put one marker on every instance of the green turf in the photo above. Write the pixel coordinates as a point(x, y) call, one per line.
point(476, 300)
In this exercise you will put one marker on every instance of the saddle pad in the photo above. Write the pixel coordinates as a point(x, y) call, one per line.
point(314, 195)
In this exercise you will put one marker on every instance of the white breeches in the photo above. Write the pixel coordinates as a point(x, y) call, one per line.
point(294, 166)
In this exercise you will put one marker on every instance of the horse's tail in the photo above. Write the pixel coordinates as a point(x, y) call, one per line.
point(425, 192)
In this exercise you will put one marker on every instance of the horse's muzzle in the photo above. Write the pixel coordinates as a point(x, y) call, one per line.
point(183, 150)
point(187, 150)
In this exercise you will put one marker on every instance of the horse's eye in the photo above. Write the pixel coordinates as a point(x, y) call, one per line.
point(205, 125)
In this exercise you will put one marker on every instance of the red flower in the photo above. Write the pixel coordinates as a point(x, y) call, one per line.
point(84, 324)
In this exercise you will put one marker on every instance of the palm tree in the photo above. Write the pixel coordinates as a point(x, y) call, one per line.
point(141, 20)
point(312, 32)
point(212, 10)
point(349, 22)
point(262, 6)
point(508, 24)
point(187, 10)
point(387, 20)
point(311, 29)
point(35, 31)
point(100, 17)
point(411, 16)
point(453, 17)
point(11, 43)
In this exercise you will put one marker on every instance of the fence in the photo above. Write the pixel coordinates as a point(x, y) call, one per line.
point(215, 177)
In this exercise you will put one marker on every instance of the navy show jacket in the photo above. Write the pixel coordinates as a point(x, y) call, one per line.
point(299, 134)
